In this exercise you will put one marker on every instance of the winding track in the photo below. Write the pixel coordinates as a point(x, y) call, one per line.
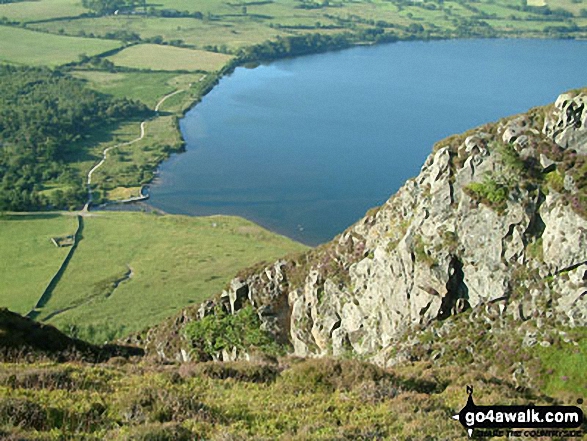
point(85, 212)
point(105, 152)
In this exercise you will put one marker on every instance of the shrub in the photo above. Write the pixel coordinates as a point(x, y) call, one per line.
point(328, 375)
point(510, 158)
point(159, 432)
point(489, 192)
point(221, 330)
point(555, 180)
point(23, 413)
point(157, 404)
point(535, 250)
point(421, 254)
point(240, 371)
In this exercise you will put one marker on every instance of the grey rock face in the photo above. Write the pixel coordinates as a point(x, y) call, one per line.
point(480, 227)
point(566, 124)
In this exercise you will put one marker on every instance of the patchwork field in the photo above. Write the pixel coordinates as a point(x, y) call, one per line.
point(147, 87)
point(232, 33)
point(28, 11)
point(129, 270)
point(35, 48)
point(169, 58)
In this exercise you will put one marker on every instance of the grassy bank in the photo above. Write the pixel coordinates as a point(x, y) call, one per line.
point(291, 400)
point(28, 258)
point(35, 49)
point(130, 270)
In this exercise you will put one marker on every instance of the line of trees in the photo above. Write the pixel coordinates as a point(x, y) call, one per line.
point(309, 43)
point(102, 7)
point(43, 114)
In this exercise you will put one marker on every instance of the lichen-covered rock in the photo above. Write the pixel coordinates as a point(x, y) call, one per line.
point(567, 123)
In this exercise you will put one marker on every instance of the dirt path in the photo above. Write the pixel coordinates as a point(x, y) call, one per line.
point(105, 152)
point(36, 311)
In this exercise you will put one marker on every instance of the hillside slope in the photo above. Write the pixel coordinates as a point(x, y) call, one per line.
point(495, 224)
point(24, 339)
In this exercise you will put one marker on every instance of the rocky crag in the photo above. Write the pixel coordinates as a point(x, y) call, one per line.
point(493, 229)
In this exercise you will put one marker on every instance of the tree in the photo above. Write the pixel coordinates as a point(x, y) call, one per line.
point(102, 7)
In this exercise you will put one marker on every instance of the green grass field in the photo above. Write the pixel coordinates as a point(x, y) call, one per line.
point(127, 165)
point(147, 87)
point(35, 48)
point(157, 57)
point(132, 165)
point(233, 34)
point(41, 10)
point(28, 258)
point(175, 260)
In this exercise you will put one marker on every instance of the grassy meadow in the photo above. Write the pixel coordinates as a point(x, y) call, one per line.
point(146, 87)
point(36, 49)
point(157, 57)
point(127, 165)
point(162, 263)
point(35, 10)
point(28, 258)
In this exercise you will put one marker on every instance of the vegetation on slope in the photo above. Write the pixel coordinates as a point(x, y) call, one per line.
point(24, 339)
point(288, 398)
point(28, 259)
point(224, 332)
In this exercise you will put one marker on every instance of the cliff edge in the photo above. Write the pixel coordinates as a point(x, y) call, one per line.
point(493, 226)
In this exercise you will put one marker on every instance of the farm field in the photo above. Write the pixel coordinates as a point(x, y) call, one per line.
point(28, 258)
point(146, 87)
point(201, 34)
point(36, 49)
point(157, 57)
point(28, 11)
point(161, 263)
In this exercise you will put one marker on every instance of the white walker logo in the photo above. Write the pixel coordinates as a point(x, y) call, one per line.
point(474, 417)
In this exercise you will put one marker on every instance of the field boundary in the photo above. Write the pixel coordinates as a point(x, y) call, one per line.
point(48, 291)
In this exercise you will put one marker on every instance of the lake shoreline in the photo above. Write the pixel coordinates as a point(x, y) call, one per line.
point(356, 55)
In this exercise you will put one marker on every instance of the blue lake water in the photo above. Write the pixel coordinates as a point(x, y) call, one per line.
point(306, 146)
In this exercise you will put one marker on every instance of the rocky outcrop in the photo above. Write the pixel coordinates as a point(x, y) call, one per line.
point(565, 124)
point(495, 221)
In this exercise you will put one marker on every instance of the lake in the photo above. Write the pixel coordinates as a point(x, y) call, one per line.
point(305, 146)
